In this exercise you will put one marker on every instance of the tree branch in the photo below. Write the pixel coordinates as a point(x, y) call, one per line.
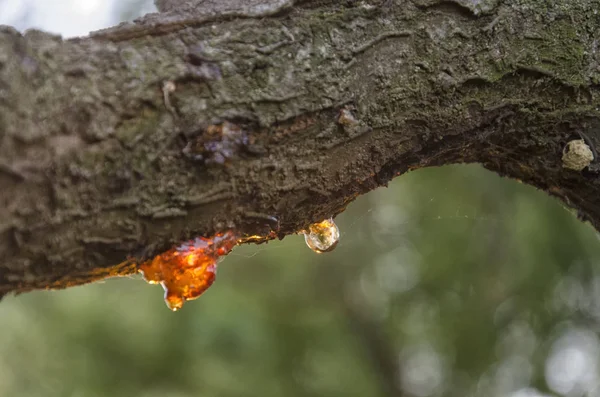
point(192, 121)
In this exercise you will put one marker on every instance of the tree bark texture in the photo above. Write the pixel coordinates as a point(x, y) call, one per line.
point(275, 114)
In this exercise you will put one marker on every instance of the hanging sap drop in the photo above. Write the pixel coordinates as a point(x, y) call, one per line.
point(173, 300)
point(188, 270)
point(323, 236)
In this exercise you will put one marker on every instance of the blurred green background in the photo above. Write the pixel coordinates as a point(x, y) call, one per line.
point(451, 282)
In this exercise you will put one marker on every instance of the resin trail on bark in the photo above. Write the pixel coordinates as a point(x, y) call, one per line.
point(188, 270)
point(263, 120)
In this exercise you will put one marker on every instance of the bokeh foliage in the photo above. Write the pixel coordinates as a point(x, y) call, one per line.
point(452, 281)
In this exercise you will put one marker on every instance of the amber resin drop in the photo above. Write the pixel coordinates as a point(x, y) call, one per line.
point(186, 271)
point(323, 236)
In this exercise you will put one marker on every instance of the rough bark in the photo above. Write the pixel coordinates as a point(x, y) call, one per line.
point(329, 100)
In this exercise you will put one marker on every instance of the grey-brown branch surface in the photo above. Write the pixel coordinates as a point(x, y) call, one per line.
point(263, 116)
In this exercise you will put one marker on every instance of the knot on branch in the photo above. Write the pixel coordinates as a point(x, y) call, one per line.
point(577, 155)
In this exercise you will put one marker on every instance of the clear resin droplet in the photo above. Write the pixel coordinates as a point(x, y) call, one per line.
point(323, 236)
